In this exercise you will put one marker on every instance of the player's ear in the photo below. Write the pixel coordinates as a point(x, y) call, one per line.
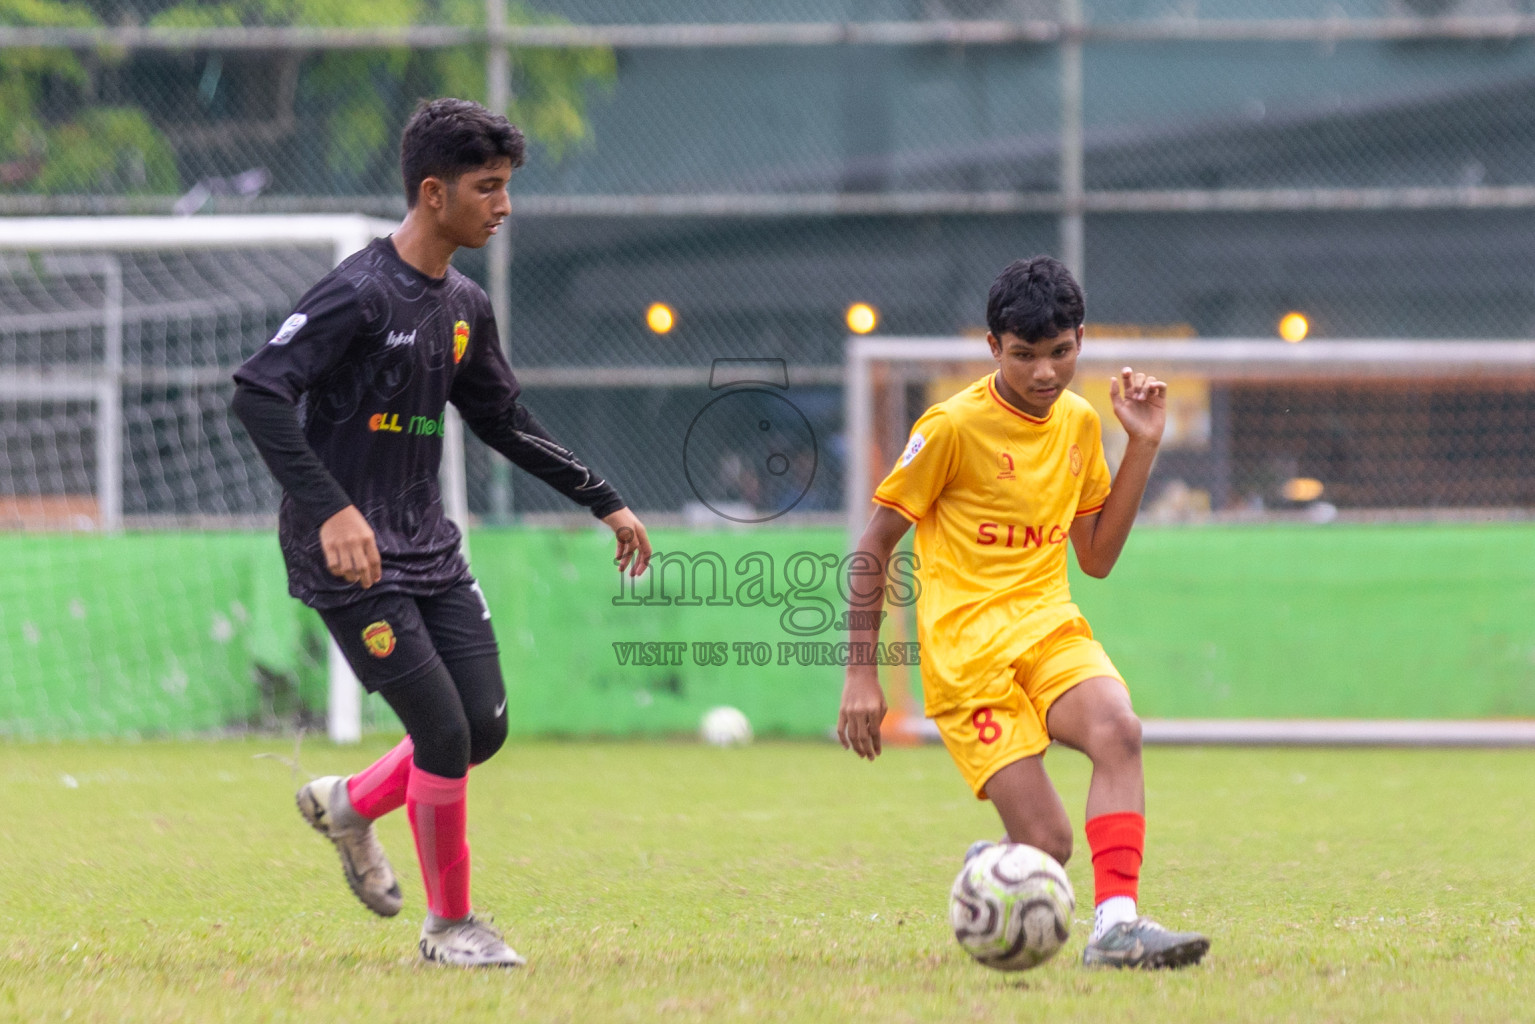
point(433, 192)
point(1079, 335)
point(995, 344)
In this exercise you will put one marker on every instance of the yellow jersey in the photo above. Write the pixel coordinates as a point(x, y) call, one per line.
point(993, 492)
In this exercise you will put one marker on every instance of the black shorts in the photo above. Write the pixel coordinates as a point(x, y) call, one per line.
point(392, 638)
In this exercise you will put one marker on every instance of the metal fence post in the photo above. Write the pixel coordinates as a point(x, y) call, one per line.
point(498, 256)
point(1073, 243)
point(109, 428)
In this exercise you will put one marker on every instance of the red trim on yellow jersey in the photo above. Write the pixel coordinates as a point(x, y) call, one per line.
point(898, 507)
point(1091, 511)
point(991, 386)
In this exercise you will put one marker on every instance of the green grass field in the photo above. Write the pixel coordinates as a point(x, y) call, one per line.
point(669, 882)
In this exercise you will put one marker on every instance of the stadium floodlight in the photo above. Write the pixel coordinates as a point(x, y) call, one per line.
point(862, 318)
point(660, 318)
point(1294, 327)
point(124, 331)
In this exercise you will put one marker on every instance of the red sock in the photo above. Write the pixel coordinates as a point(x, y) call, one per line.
point(380, 787)
point(438, 809)
point(1117, 841)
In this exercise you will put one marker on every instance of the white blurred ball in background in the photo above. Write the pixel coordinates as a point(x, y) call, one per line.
point(725, 727)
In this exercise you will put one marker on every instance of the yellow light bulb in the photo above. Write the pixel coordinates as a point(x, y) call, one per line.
point(1293, 327)
point(660, 318)
point(861, 318)
point(1302, 488)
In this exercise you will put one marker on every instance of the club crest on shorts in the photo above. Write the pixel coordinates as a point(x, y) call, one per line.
point(460, 339)
point(378, 637)
point(1076, 461)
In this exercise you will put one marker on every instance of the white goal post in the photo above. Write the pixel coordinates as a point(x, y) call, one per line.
point(88, 246)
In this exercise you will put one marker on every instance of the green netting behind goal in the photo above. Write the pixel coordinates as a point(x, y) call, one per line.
point(133, 634)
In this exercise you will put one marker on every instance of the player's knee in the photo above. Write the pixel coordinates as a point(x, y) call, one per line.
point(1057, 843)
point(1117, 737)
point(444, 749)
point(478, 679)
point(486, 737)
point(1048, 833)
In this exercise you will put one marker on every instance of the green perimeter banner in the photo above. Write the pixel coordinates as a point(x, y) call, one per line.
point(157, 633)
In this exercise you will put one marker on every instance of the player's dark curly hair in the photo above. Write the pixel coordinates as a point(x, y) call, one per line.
point(446, 137)
point(1033, 299)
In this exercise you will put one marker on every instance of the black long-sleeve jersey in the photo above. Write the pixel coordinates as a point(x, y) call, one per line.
point(374, 352)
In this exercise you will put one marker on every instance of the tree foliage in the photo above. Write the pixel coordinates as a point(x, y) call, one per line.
point(50, 141)
point(114, 122)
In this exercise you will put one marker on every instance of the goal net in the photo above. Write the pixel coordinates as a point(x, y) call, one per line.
point(128, 496)
point(1259, 429)
point(1264, 431)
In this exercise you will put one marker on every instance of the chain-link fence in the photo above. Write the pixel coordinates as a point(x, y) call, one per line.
point(758, 167)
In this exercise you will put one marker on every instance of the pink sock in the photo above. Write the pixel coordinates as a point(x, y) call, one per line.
point(380, 787)
point(438, 808)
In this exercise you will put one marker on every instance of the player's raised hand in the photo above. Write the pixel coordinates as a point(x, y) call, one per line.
point(1140, 403)
point(633, 542)
point(863, 709)
point(351, 552)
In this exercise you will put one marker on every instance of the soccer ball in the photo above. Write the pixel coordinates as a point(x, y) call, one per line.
point(1011, 906)
point(725, 727)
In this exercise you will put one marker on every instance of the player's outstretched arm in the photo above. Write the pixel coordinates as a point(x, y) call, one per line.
point(511, 429)
point(863, 700)
point(1140, 404)
point(633, 542)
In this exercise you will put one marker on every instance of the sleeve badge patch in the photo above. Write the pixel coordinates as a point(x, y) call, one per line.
point(912, 448)
point(460, 339)
point(378, 637)
point(1076, 460)
point(289, 328)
